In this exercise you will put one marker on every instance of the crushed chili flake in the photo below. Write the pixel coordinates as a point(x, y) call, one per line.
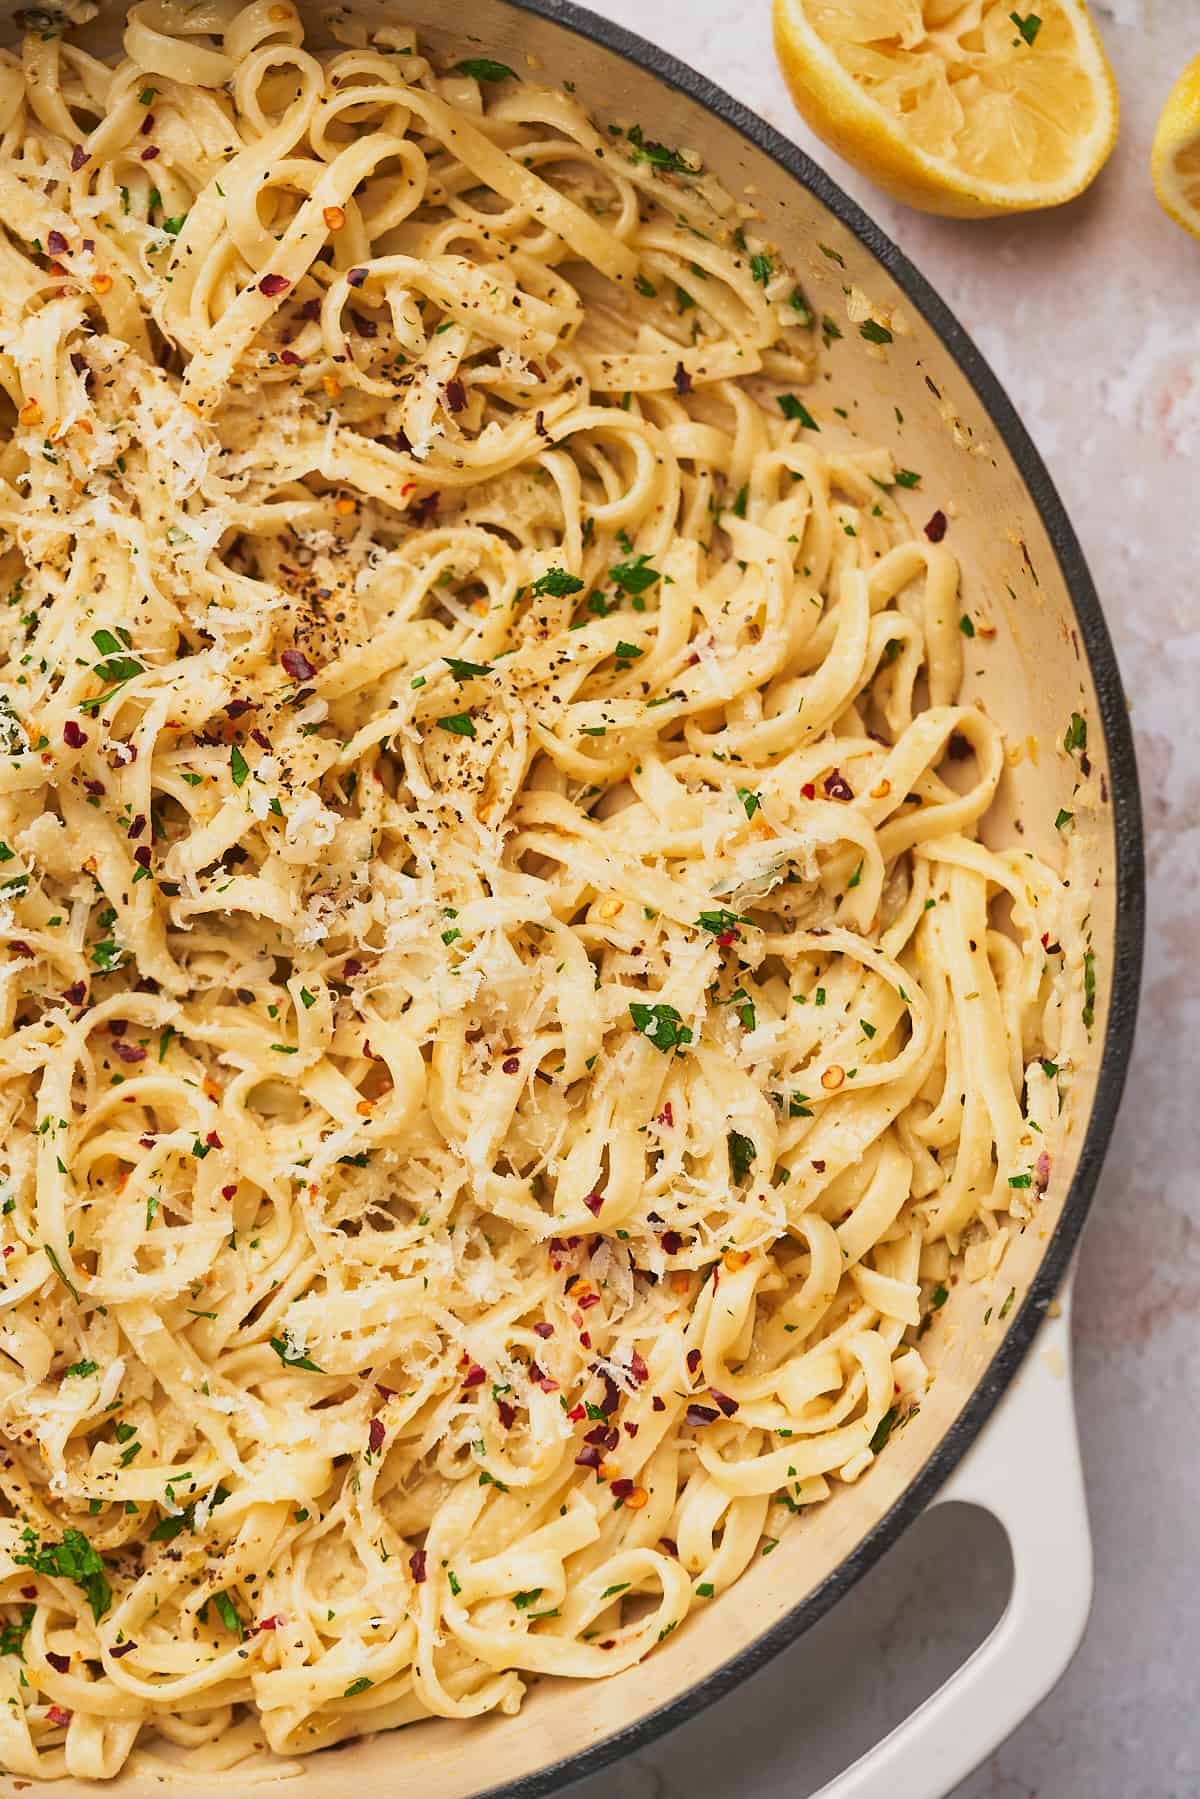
point(935, 530)
point(271, 1623)
point(375, 1436)
point(725, 1403)
point(594, 1203)
point(387, 1392)
point(836, 785)
point(672, 1242)
point(56, 243)
point(125, 1649)
point(228, 1192)
point(290, 358)
point(683, 381)
point(356, 277)
point(78, 157)
point(57, 1715)
point(809, 790)
point(213, 1141)
point(697, 1415)
point(475, 1376)
point(508, 1413)
point(666, 1116)
point(543, 1329)
point(416, 1562)
point(456, 395)
point(589, 1456)
point(621, 1489)
point(1041, 1173)
point(638, 1369)
point(693, 1360)
point(512, 1065)
point(272, 285)
point(74, 736)
point(130, 1052)
point(297, 664)
point(149, 155)
point(61, 1663)
point(576, 1413)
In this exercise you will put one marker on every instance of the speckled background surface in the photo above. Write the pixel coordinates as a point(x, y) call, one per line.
point(1090, 315)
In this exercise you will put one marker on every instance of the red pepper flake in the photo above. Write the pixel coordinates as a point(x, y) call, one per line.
point(261, 739)
point(837, 787)
point(364, 326)
point(141, 855)
point(60, 1663)
point(631, 1430)
point(696, 1415)
point(375, 1435)
point(1041, 1178)
point(508, 1413)
point(638, 1369)
point(456, 395)
point(670, 1545)
point(576, 1413)
point(474, 1377)
point(672, 1242)
point(58, 1715)
point(273, 285)
point(683, 381)
point(147, 125)
point(74, 736)
point(604, 1436)
point(271, 1623)
point(588, 1300)
point(511, 1065)
point(809, 790)
point(725, 938)
point(585, 1340)
point(819, 1166)
point(290, 358)
point(130, 1052)
point(228, 1192)
point(548, 1386)
point(297, 664)
point(658, 1403)
point(727, 1405)
point(95, 788)
point(935, 530)
point(213, 1141)
point(543, 1329)
point(147, 1142)
point(149, 154)
point(128, 1648)
point(621, 1489)
point(416, 1562)
point(666, 1116)
point(76, 993)
point(28, 1592)
point(311, 309)
point(609, 1643)
point(356, 277)
point(693, 1360)
point(590, 1456)
point(138, 826)
point(78, 157)
point(594, 1203)
point(539, 425)
point(57, 245)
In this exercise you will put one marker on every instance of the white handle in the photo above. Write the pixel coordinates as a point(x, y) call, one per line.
point(1024, 1469)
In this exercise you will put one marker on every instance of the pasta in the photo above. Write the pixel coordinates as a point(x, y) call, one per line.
point(509, 1026)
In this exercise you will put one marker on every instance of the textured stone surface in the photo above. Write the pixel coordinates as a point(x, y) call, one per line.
point(1091, 318)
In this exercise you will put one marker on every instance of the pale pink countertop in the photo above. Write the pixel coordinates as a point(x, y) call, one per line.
point(1090, 315)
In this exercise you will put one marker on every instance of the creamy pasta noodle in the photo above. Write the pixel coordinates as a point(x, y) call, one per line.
point(508, 1036)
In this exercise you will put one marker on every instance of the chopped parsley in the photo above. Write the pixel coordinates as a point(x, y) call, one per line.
point(557, 582)
point(662, 1024)
point(792, 408)
point(239, 768)
point(293, 1358)
point(742, 1152)
point(482, 68)
point(72, 1559)
point(459, 724)
point(634, 576)
point(874, 332)
point(660, 156)
point(1029, 26)
point(466, 671)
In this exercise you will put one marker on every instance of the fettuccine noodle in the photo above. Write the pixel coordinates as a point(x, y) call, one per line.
point(506, 1029)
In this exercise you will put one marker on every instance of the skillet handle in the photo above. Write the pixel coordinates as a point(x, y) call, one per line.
point(1025, 1470)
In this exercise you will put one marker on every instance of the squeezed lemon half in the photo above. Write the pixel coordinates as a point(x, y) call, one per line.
point(966, 107)
point(1175, 158)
